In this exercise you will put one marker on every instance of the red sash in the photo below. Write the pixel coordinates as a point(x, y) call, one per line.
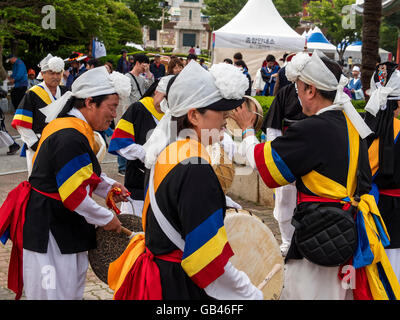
point(390, 192)
point(143, 281)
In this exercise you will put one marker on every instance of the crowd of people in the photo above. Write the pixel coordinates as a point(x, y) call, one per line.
point(321, 156)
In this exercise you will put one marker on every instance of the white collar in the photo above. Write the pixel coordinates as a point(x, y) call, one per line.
point(76, 113)
point(46, 88)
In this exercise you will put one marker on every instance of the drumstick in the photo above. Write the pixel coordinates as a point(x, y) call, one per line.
point(128, 232)
point(274, 271)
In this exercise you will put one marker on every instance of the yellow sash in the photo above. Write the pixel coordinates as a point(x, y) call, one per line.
point(64, 123)
point(42, 94)
point(148, 102)
point(171, 156)
point(327, 188)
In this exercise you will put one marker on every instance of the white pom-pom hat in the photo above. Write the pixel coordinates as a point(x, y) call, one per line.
point(55, 64)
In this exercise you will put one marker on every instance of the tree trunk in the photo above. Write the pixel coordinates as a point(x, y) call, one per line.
point(370, 37)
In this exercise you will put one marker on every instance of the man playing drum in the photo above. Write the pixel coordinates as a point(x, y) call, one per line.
point(61, 215)
point(321, 153)
point(185, 252)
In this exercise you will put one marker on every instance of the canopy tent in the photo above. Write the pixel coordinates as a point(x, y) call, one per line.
point(256, 31)
point(317, 41)
point(354, 51)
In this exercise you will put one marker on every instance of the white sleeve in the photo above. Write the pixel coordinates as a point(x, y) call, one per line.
point(246, 149)
point(272, 134)
point(233, 285)
point(228, 145)
point(92, 212)
point(28, 136)
point(232, 204)
point(132, 152)
point(104, 186)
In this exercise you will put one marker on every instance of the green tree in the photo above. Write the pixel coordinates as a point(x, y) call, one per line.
point(77, 22)
point(327, 14)
point(222, 11)
point(389, 34)
point(147, 11)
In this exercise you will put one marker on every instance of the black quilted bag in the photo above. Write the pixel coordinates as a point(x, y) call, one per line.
point(325, 235)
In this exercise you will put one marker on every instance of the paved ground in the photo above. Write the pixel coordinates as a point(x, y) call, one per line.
point(13, 171)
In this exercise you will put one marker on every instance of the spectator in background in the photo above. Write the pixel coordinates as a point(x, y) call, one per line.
point(19, 78)
point(175, 66)
point(237, 56)
point(130, 60)
point(192, 50)
point(202, 63)
point(92, 63)
point(109, 66)
point(197, 51)
point(157, 68)
point(269, 73)
point(242, 66)
point(191, 56)
point(32, 81)
point(123, 64)
point(229, 61)
point(355, 85)
point(77, 67)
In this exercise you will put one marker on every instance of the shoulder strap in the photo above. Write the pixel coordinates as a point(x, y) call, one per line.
point(137, 84)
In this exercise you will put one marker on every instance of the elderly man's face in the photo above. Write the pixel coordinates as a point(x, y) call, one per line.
point(100, 117)
point(356, 73)
point(51, 78)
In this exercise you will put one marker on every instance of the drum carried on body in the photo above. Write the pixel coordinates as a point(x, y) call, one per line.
point(254, 106)
point(110, 245)
point(256, 251)
point(222, 165)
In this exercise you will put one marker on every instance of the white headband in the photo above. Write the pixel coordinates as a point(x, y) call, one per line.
point(194, 88)
point(313, 71)
point(92, 83)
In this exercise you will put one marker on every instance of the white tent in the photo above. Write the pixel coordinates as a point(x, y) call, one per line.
point(256, 31)
point(317, 41)
point(354, 51)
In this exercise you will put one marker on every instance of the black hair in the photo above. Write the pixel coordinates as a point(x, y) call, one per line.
point(150, 91)
point(192, 56)
point(270, 58)
point(240, 63)
point(335, 68)
point(93, 62)
point(227, 60)
point(141, 58)
point(238, 56)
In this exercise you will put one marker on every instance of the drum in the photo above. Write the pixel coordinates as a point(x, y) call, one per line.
point(256, 250)
point(110, 245)
point(222, 166)
point(254, 106)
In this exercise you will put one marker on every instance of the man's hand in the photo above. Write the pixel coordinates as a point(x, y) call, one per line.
point(113, 225)
point(123, 195)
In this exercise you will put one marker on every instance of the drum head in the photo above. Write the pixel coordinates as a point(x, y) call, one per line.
point(256, 250)
point(110, 245)
point(254, 106)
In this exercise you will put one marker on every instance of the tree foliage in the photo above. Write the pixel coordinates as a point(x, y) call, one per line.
point(77, 22)
point(147, 11)
point(327, 14)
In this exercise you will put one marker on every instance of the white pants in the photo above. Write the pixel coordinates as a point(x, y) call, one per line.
point(394, 258)
point(285, 203)
point(5, 139)
point(29, 156)
point(53, 275)
point(304, 280)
